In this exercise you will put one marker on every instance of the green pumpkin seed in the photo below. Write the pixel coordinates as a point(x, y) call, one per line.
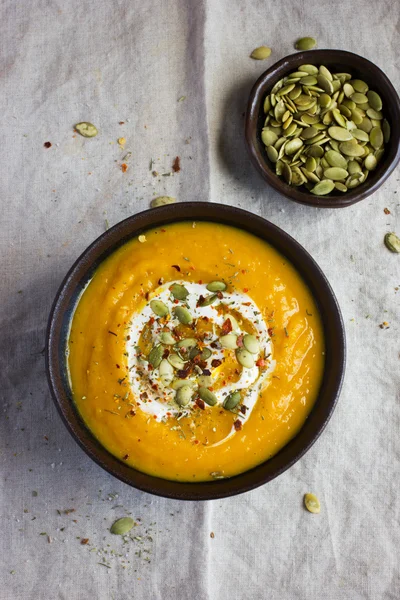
point(167, 338)
point(309, 132)
point(251, 343)
point(187, 343)
point(339, 134)
point(287, 173)
point(245, 358)
point(386, 131)
point(162, 201)
point(338, 117)
point(312, 503)
point(310, 176)
point(335, 173)
point(176, 361)
point(183, 315)
point(205, 381)
point(179, 383)
point(323, 187)
point(392, 242)
point(267, 104)
point(348, 90)
point(360, 135)
point(207, 396)
point(155, 356)
point(122, 526)
point(159, 308)
point(86, 129)
point(308, 80)
point(268, 137)
point(335, 159)
point(183, 395)
point(359, 86)
point(216, 286)
point(208, 300)
point(261, 53)
point(232, 400)
point(325, 84)
point(376, 137)
point(310, 69)
point(325, 100)
point(353, 167)
point(305, 43)
point(370, 162)
point(293, 146)
point(205, 354)
point(351, 148)
point(311, 164)
point(374, 100)
point(286, 89)
point(179, 291)
point(340, 186)
point(345, 111)
point(166, 372)
point(315, 151)
point(228, 341)
point(359, 98)
point(365, 125)
point(272, 154)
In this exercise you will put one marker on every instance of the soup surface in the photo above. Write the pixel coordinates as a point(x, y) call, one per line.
point(195, 352)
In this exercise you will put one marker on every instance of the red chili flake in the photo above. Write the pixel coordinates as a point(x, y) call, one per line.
point(177, 267)
point(154, 387)
point(206, 372)
point(260, 362)
point(237, 425)
point(196, 441)
point(176, 165)
point(243, 271)
point(246, 303)
point(214, 345)
point(151, 320)
point(125, 457)
point(163, 230)
point(216, 363)
point(124, 167)
point(245, 290)
point(118, 367)
point(122, 123)
point(239, 341)
point(160, 281)
point(128, 337)
point(143, 396)
point(200, 403)
point(200, 281)
point(147, 295)
point(166, 353)
point(270, 331)
point(386, 211)
point(183, 373)
point(176, 301)
point(47, 144)
point(226, 327)
point(84, 541)
point(243, 409)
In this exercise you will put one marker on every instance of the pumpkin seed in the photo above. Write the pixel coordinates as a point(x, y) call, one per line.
point(207, 396)
point(305, 43)
point(179, 291)
point(179, 383)
point(312, 503)
point(325, 84)
point(386, 131)
point(339, 134)
point(323, 187)
point(335, 159)
point(340, 186)
point(311, 164)
point(216, 286)
point(374, 100)
point(205, 354)
point(232, 400)
point(374, 114)
point(251, 343)
point(228, 341)
point(359, 98)
point(167, 338)
point(176, 361)
point(159, 308)
point(359, 86)
point(310, 69)
point(353, 167)
point(287, 173)
point(365, 125)
point(261, 53)
point(183, 395)
point(205, 381)
point(272, 154)
point(293, 146)
point(122, 526)
point(210, 299)
point(245, 358)
point(376, 137)
point(162, 201)
point(370, 162)
point(335, 173)
point(351, 148)
point(187, 343)
point(86, 129)
point(155, 356)
point(183, 315)
point(360, 135)
point(166, 372)
point(392, 242)
point(268, 137)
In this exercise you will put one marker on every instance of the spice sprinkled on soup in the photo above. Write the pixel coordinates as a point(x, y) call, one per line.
point(195, 352)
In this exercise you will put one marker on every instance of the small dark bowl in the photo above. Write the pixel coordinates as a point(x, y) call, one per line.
point(82, 271)
point(339, 61)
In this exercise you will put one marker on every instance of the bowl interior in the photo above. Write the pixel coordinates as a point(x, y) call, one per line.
point(81, 273)
point(338, 61)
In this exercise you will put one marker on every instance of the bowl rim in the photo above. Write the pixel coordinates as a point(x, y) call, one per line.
point(267, 80)
point(82, 270)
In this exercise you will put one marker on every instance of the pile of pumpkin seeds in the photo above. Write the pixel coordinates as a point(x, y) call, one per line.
point(322, 130)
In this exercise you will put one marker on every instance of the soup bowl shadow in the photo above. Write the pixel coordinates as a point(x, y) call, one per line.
point(81, 273)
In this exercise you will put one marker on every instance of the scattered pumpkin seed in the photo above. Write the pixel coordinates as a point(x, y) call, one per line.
point(228, 341)
point(183, 315)
point(162, 201)
point(232, 400)
point(205, 354)
point(183, 395)
point(323, 187)
point(155, 356)
point(188, 343)
point(370, 162)
point(245, 358)
point(210, 299)
point(376, 137)
point(305, 43)
point(261, 53)
point(159, 308)
point(176, 361)
point(311, 503)
point(167, 338)
point(207, 396)
point(166, 372)
point(216, 286)
point(179, 291)
point(122, 526)
point(251, 343)
point(335, 173)
point(86, 129)
point(392, 242)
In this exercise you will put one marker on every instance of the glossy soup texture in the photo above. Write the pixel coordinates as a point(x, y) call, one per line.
point(196, 442)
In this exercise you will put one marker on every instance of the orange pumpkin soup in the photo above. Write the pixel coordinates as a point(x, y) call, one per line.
point(195, 352)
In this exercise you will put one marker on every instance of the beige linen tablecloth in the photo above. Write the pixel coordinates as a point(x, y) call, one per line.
point(124, 65)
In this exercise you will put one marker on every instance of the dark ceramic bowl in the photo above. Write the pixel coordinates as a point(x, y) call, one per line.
point(81, 273)
point(339, 61)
